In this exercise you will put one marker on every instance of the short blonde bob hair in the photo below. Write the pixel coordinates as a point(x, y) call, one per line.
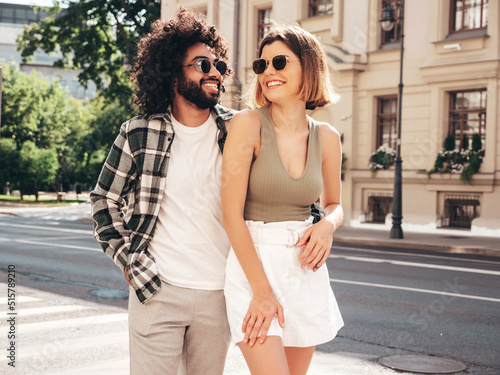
point(317, 87)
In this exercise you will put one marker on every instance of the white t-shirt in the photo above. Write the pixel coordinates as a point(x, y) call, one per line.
point(190, 245)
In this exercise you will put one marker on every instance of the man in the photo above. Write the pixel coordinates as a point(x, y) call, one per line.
point(171, 244)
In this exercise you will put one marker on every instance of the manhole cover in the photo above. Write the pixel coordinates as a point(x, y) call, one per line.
point(422, 364)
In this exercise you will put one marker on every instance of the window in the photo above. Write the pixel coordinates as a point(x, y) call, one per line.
point(460, 210)
point(379, 206)
point(468, 15)
point(467, 116)
point(264, 23)
point(19, 14)
point(320, 7)
point(392, 36)
point(7, 15)
point(387, 121)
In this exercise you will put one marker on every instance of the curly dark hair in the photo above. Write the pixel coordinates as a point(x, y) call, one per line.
point(161, 53)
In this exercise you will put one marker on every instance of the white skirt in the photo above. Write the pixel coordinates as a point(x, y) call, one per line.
point(312, 316)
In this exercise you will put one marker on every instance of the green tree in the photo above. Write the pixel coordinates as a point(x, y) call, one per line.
point(94, 36)
point(77, 117)
point(92, 148)
point(33, 109)
point(8, 162)
point(39, 168)
point(79, 132)
point(37, 111)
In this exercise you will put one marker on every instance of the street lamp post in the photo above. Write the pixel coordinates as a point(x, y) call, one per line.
point(387, 23)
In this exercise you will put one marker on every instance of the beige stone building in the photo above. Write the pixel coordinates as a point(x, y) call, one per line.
point(451, 72)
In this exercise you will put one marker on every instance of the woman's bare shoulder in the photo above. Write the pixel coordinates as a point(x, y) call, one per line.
point(246, 115)
point(246, 120)
point(328, 132)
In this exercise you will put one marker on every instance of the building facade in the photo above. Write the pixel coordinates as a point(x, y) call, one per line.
point(12, 19)
point(451, 89)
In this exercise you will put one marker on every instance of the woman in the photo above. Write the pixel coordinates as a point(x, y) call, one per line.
point(277, 161)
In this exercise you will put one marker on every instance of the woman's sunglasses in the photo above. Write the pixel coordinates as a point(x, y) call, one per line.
point(279, 62)
point(204, 65)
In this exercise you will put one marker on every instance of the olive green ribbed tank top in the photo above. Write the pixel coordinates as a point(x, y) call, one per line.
point(273, 195)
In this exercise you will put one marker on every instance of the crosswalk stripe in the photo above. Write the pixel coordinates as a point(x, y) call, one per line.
point(64, 246)
point(120, 367)
point(19, 299)
point(70, 323)
point(49, 310)
point(47, 228)
point(67, 345)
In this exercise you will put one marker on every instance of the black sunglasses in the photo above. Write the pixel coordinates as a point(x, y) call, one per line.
point(279, 62)
point(204, 65)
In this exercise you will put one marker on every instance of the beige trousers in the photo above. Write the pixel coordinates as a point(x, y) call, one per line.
point(178, 323)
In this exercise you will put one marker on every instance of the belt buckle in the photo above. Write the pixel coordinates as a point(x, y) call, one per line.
point(293, 237)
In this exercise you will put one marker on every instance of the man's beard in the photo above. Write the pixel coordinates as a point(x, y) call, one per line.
point(193, 92)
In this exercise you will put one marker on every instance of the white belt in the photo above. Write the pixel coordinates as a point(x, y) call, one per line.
point(288, 237)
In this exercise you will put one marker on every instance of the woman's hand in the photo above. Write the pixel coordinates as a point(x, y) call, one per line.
point(261, 312)
point(318, 238)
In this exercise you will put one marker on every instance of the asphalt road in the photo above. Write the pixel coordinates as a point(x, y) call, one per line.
point(393, 302)
point(427, 304)
point(62, 256)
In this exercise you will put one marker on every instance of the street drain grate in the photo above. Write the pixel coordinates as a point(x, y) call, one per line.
point(422, 364)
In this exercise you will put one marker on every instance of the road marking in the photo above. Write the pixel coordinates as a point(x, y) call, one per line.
point(48, 228)
point(66, 238)
point(415, 264)
point(73, 323)
point(113, 367)
point(53, 244)
point(384, 252)
point(468, 296)
point(19, 299)
point(49, 310)
point(55, 348)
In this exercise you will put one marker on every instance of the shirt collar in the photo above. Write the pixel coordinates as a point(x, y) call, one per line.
point(223, 113)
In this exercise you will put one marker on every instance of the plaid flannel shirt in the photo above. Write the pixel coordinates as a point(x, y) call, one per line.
point(137, 166)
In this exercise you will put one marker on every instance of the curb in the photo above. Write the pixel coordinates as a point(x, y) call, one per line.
point(415, 245)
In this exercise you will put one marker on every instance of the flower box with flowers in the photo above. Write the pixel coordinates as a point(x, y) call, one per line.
point(464, 162)
point(383, 158)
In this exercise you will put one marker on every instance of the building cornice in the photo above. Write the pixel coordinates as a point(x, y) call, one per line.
point(473, 68)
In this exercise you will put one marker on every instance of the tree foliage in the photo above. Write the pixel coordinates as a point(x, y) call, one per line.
point(39, 168)
point(94, 36)
point(9, 160)
point(38, 119)
point(93, 146)
point(34, 109)
point(41, 113)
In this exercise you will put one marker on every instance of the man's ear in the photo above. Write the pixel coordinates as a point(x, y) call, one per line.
point(174, 85)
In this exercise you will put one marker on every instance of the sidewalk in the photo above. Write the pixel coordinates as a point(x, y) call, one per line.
point(439, 240)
